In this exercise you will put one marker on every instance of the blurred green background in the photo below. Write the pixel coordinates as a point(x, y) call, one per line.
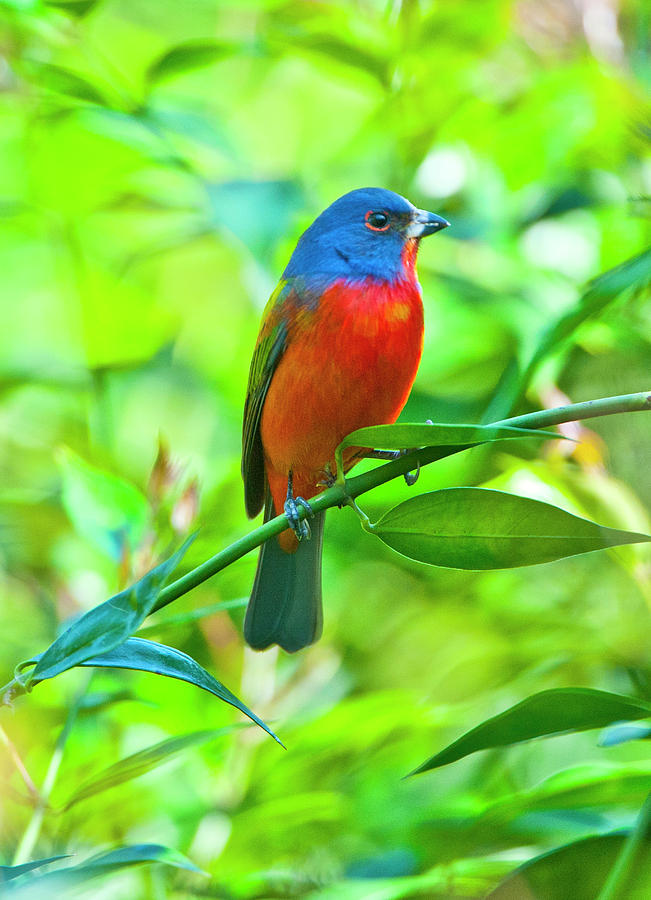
point(158, 161)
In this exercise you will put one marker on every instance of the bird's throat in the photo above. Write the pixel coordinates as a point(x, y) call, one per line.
point(409, 254)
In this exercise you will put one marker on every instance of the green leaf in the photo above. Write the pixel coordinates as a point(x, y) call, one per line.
point(345, 52)
point(106, 509)
point(477, 528)
point(149, 656)
point(191, 55)
point(107, 625)
point(64, 81)
point(143, 761)
point(632, 275)
point(8, 873)
point(76, 8)
point(97, 701)
point(137, 853)
point(407, 434)
point(103, 864)
point(193, 615)
point(548, 713)
point(578, 870)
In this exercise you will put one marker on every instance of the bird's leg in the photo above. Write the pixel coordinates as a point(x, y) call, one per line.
point(300, 527)
point(410, 477)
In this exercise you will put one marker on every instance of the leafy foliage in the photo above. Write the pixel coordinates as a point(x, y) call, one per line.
point(139, 763)
point(157, 164)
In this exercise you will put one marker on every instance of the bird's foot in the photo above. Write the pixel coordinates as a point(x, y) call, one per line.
point(300, 527)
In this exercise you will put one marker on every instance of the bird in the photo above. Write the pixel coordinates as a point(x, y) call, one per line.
point(338, 348)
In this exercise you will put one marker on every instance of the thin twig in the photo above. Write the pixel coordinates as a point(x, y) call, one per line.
point(31, 834)
point(20, 765)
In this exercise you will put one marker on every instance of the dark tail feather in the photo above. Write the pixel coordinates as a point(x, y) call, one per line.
point(285, 604)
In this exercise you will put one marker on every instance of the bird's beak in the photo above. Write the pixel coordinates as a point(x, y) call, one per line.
point(424, 223)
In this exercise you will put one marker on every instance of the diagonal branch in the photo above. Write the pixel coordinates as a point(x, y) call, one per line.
point(361, 484)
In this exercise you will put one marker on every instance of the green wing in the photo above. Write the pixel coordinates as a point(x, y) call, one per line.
point(268, 351)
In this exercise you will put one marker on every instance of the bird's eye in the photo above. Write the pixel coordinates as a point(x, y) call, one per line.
point(377, 221)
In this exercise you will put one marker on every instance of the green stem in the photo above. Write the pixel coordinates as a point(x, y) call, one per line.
point(620, 877)
point(193, 615)
point(331, 497)
point(364, 519)
point(587, 410)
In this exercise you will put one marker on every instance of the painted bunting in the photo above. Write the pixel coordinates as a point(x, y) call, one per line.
point(338, 349)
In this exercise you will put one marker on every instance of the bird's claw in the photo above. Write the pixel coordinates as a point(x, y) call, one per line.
point(412, 477)
point(300, 527)
point(328, 479)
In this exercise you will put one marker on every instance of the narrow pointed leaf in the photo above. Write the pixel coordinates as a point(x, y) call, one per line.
point(148, 656)
point(103, 864)
point(409, 434)
point(193, 615)
point(632, 275)
point(107, 625)
point(141, 762)
point(76, 8)
point(548, 713)
point(66, 82)
point(477, 528)
point(137, 853)
point(344, 51)
point(184, 57)
point(97, 701)
point(8, 873)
